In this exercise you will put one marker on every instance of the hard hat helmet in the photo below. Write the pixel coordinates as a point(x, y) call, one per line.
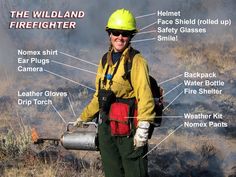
point(122, 19)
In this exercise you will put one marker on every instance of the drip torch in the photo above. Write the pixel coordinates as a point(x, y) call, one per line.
point(80, 139)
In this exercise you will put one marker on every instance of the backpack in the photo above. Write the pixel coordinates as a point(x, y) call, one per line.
point(157, 91)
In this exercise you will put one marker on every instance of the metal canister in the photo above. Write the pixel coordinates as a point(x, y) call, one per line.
point(80, 139)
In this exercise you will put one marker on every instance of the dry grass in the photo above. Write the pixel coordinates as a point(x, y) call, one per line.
point(19, 157)
point(217, 56)
point(38, 170)
point(7, 80)
point(13, 143)
point(191, 155)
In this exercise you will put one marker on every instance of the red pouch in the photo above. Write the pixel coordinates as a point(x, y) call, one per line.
point(119, 119)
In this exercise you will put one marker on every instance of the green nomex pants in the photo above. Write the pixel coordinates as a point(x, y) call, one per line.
point(119, 157)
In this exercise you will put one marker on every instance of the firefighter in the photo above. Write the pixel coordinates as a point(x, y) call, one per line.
point(125, 106)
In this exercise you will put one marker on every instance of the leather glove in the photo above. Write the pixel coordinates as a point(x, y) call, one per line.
point(141, 135)
point(78, 123)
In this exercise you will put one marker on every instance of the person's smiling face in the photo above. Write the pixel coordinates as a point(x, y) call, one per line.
point(119, 40)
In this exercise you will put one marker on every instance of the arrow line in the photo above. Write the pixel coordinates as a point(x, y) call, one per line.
point(170, 79)
point(147, 26)
point(78, 59)
point(71, 106)
point(172, 101)
point(157, 117)
point(141, 40)
point(70, 80)
point(171, 90)
point(147, 15)
point(163, 140)
point(144, 32)
point(57, 62)
point(59, 114)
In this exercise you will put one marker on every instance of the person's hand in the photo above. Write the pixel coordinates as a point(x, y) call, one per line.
point(141, 135)
point(78, 123)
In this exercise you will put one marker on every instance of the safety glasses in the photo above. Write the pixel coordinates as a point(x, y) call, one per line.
point(119, 32)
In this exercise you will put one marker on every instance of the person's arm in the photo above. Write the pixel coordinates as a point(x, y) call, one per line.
point(93, 107)
point(141, 85)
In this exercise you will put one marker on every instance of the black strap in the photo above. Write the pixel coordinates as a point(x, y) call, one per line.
point(132, 53)
point(105, 76)
point(104, 59)
point(114, 72)
point(127, 65)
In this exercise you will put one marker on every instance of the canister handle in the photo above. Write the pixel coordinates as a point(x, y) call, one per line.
point(84, 123)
